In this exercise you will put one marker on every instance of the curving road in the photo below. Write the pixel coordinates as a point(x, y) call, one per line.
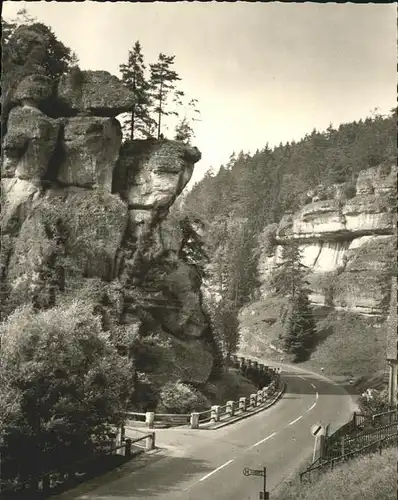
point(200, 464)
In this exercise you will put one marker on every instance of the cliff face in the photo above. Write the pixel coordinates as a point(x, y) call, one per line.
point(85, 216)
point(348, 240)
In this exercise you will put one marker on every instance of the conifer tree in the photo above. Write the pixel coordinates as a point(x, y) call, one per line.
point(300, 333)
point(289, 281)
point(289, 277)
point(183, 130)
point(162, 83)
point(133, 77)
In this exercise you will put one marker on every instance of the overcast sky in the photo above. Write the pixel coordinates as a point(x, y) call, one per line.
point(262, 72)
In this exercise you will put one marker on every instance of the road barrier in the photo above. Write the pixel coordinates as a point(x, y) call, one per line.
point(263, 376)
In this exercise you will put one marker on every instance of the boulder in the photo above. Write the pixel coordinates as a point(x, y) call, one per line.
point(91, 147)
point(153, 173)
point(34, 90)
point(29, 144)
point(25, 61)
point(95, 93)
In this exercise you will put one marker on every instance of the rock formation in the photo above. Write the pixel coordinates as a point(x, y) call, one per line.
point(348, 241)
point(85, 215)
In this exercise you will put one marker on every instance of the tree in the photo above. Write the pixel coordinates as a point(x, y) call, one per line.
point(192, 250)
point(289, 281)
point(133, 77)
point(63, 387)
point(162, 83)
point(225, 323)
point(289, 277)
point(300, 332)
point(183, 131)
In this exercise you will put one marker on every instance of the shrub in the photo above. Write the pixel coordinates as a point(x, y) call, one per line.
point(373, 401)
point(62, 387)
point(177, 397)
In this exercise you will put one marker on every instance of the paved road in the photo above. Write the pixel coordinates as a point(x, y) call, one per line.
point(200, 464)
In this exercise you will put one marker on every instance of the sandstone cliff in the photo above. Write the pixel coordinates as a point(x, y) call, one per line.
point(85, 215)
point(348, 240)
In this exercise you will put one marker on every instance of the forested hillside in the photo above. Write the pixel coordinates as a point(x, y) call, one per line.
point(254, 191)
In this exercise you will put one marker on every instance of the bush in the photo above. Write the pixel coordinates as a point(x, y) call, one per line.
point(181, 398)
point(62, 388)
point(373, 401)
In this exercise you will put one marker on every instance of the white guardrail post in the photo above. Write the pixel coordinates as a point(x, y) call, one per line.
point(259, 397)
point(215, 413)
point(150, 442)
point(242, 404)
point(149, 419)
point(230, 408)
point(194, 421)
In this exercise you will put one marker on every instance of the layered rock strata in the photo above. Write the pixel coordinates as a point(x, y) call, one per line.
point(349, 243)
point(84, 215)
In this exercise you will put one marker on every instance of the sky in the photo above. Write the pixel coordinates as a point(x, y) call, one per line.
point(262, 72)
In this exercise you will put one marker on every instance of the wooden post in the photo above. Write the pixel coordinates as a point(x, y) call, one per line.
point(127, 448)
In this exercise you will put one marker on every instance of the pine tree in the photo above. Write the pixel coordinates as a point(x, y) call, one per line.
point(133, 77)
point(162, 83)
point(183, 130)
point(300, 333)
point(289, 277)
point(289, 281)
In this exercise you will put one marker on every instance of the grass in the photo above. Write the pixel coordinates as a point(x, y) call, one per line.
point(372, 477)
point(349, 347)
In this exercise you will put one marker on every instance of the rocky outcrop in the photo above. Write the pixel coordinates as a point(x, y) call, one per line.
point(90, 148)
point(348, 242)
point(96, 93)
point(85, 216)
point(151, 174)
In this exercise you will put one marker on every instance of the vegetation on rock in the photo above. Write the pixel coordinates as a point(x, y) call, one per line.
point(153, 93)
point(63, 387)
